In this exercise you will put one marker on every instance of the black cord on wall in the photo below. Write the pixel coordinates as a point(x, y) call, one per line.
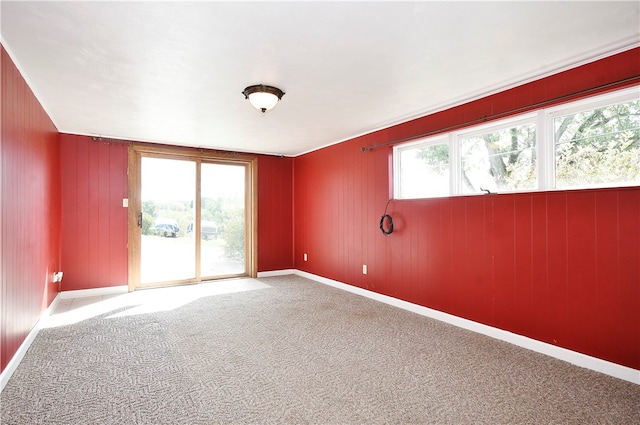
point(386, 217)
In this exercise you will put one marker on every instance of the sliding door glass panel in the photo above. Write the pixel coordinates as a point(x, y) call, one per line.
point(168, 189)
point(223, 212)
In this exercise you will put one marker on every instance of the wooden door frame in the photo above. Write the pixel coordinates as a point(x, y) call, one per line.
point(138, 150)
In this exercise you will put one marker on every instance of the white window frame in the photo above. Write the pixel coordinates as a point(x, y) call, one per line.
point(545, 142)
point(620, 96)
point(428, 141)
point(515, 121)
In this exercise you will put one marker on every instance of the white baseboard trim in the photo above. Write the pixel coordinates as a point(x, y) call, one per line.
point(95, 292)
point(573, 357)
point(22, 350)
point(276, 273)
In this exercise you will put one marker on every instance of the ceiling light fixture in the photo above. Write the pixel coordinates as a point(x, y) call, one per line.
point(262, 97)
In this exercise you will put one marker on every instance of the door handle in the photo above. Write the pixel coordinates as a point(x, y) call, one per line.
point(140, 220)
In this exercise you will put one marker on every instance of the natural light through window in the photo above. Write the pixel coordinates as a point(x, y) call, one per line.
point(149, 301)
point(596, 147)
point(501, 159)
point(583, 144)
point(424, 170)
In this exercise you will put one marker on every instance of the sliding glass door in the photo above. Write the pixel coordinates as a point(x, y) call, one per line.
point(191, 217)
point(222, 219)
point(168, 193)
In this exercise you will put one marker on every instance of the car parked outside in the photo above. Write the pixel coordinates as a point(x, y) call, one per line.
point(208, 230)
point(166, 227)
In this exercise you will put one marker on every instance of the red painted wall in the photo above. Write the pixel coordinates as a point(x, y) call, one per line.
point(275, 213)
point(30, 210)
point(94, 223)
point(559, 267)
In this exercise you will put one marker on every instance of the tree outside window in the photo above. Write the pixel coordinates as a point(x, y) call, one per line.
point(598, 147)
point(593, 143)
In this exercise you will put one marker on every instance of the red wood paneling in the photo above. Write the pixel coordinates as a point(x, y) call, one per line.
point(582, 284)
point(627, 291)
point(562, 267)
point(506, 290)
point(94, 222)
point(275, 213)
point(521, 311)
point(30, 210)
point(541, 311)
point(557, 258)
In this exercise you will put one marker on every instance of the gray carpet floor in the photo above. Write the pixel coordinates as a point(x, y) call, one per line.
point(293, 351)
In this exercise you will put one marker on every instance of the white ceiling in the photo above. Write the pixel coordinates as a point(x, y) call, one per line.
point(173, 72)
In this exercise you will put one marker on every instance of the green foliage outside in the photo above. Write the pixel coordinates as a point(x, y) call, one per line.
point(179, 211)
point(500, 160)
point(599, 146)
point(234, 235)
point(149, 213)
point(212, 210)
point(228, 214)
point(436, 157)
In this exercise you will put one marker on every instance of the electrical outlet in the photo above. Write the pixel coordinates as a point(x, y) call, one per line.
point(305, 256)
point(364, 269)
point(125, 202)
point(57, 277)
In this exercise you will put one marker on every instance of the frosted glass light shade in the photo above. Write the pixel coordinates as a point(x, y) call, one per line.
point(263, 101)
point(263, 97)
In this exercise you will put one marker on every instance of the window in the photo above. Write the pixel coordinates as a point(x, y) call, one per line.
point(423, 169)
point(589, 143)
point(598, 146)
point(502, 159)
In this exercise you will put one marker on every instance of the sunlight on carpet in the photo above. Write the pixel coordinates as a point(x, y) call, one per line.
point(152, 300)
